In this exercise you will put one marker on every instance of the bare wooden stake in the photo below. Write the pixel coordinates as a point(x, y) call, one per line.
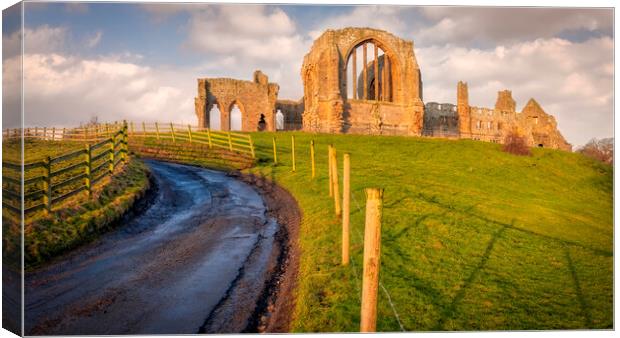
point(48, 184)
point(89, 168)
point(372, 252)
point(112, 149)
point(346, 210)
point(312, 158)
point(329, 166)
point(336, 184)
point(172, 131)
point(293, 151)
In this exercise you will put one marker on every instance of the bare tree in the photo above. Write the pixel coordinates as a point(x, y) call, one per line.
point(602, 150)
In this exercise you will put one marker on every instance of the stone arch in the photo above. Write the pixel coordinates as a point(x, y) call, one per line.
point(209, 118)
point(242, 115)
point(388, 57)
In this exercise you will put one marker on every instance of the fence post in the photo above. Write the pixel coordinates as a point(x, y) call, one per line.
point(157, 130)
point(329, 165)
point(36, 132)
point(209, 137)
point(346, 210)
point(124, 143)
point(312, 158)
point(275, 151)
point(336, 184)
point(293, 151)
point(107, 129)
point(88, 169)
point(48, 183)
point(252, 146)
point(53, 133)
point(112, 149)
point(229, 142)
point(172, 131)
point(189, 133)
point(44, 133)
point(144, 128)
point(372, 251)
point(64, 132)
point(132, 128)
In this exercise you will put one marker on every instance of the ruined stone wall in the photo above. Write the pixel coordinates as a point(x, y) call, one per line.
point(292, 111)
point(326, 105)
point(494, 124)
point(256, 100)
point(441, 120)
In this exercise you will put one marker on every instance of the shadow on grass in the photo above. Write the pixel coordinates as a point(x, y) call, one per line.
point(450, 310)
point(585, 309)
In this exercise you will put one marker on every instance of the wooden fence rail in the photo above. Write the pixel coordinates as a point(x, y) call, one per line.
point(52, 180)
point(232, 141)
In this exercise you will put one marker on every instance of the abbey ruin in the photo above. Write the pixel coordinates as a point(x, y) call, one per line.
point(367, 81)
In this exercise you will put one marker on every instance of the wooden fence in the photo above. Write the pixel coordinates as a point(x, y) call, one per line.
point(232, 141)
point(88, 133)
point(52, 180)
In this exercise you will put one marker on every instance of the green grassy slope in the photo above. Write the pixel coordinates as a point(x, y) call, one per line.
point(472, 238)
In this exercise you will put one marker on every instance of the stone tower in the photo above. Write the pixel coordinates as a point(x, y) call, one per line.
point(505, 102)
point(463, 109)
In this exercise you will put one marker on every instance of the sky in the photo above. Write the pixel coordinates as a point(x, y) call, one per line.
point(140, 61)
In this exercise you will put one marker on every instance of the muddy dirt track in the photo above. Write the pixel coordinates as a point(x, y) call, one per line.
point(199, 258)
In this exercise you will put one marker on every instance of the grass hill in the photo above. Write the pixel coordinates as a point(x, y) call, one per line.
point(472, 237)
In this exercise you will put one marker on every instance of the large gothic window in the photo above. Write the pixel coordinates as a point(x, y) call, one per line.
point(368, 73)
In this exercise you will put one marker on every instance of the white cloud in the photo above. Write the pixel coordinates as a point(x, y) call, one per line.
point(66, 90)
point(389, 18)
point(465, 25)
point(571, 80)
point(248, 31)
point(42, 39)
point(94, 40)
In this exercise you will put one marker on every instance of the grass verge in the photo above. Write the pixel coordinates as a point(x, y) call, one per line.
point(77, 220)
point(472, 238)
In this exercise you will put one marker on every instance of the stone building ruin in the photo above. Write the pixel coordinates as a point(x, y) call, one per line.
point(492, 124)
point(362, 80)
point(367, 81)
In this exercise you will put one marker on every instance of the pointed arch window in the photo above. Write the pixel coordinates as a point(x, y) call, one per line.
point(369, 73)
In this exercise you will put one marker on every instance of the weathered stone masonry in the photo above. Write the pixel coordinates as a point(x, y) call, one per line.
point(363, 80)
point(256, 100)
point(340, 96)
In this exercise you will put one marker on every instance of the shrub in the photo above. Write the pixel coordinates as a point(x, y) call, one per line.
point(514, 143)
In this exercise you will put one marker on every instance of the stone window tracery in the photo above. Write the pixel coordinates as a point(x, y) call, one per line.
point(369, 79)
